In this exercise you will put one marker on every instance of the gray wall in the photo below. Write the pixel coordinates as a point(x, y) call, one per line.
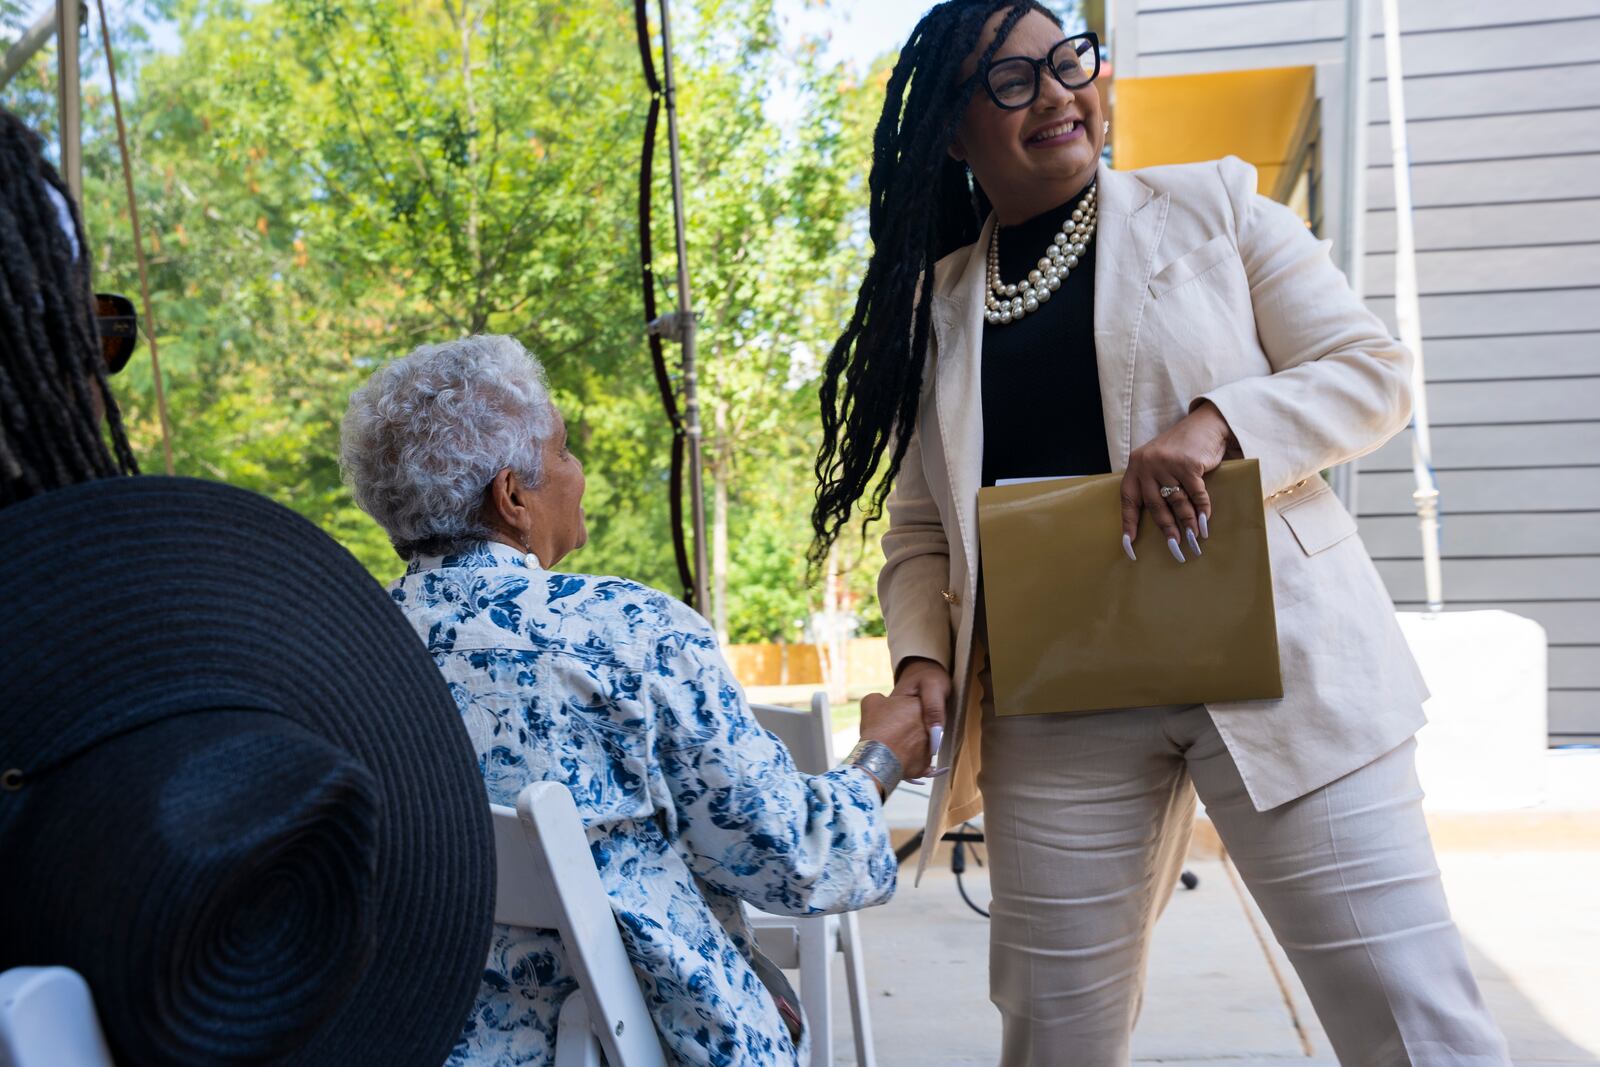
point(1503, 102)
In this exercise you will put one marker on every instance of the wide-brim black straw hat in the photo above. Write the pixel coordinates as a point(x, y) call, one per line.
point(235, 793)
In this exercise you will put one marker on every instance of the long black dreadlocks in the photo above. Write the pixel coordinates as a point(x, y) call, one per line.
point(51, 366)
point(924, 205)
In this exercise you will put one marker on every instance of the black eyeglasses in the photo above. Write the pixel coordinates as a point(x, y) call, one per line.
point(1013, 83)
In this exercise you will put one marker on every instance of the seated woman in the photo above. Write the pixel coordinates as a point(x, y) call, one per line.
point(620, 693)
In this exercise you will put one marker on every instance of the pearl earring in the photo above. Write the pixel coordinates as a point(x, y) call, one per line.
point(1105, 127)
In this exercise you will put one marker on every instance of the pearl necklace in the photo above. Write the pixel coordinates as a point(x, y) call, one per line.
point(1010, 303)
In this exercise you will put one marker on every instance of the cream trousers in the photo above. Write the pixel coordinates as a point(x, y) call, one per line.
point(1087, 820)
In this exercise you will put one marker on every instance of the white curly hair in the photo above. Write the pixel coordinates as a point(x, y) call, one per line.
point(426, 435)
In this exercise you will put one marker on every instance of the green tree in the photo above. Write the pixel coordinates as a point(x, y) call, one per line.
point(326, 183)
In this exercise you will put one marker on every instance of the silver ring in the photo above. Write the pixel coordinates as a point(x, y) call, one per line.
point(1170, 491)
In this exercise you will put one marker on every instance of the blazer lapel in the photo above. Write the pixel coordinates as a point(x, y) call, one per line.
point(1131, 221)
point(958, 392)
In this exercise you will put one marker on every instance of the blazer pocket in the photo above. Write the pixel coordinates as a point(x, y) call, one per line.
point(1319, 521)
point(1192, 264)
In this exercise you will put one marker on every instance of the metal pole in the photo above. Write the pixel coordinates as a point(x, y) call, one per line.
point(149, 323)
point(1408, 312)
point(27, 47)
point(691, 398)
point(69, 96)
point(1353, 204)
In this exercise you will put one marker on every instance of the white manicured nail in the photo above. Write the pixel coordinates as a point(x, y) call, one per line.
point(1127, 546)
point(1177, 553)
point(1194, 543)
point(1205, 527)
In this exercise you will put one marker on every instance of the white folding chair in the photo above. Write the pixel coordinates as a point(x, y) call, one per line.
point(545, 879)
point(809, 943)
point(47, 1019)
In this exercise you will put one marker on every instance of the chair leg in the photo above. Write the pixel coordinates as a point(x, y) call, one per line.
point(855, 973)
point(576, 1043)
point(816, 986)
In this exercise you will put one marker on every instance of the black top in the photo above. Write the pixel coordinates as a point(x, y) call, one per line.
point(1041, 388)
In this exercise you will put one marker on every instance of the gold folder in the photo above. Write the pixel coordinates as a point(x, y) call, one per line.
point(1075, 625)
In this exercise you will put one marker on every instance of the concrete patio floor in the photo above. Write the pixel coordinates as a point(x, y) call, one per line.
point(1531, 922)
point(1528, 905)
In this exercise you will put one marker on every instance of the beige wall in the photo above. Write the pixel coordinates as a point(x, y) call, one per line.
point(1503, 102)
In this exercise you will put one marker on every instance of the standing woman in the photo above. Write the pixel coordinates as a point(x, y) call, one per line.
point(1081, 321)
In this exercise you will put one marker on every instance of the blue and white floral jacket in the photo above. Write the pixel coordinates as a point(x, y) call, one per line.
point(620, 693)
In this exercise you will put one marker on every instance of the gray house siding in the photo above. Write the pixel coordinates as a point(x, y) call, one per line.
point(1503, 103)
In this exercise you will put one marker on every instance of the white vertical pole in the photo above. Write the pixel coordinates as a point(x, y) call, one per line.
point(1408, 311)
point(69, 96)
point(1353, 203)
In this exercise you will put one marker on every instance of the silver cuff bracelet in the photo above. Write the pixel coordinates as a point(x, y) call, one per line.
point(878, 760)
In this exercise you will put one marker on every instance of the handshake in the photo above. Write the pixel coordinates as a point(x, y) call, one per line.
point(910, 720)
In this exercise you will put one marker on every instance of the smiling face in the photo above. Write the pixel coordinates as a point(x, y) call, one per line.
point(1030, 159)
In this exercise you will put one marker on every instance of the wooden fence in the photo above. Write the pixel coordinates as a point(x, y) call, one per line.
point(866, 664)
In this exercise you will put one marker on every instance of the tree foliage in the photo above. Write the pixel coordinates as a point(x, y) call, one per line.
point(326, 183)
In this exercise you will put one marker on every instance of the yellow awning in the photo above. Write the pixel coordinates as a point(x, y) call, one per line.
point(1261, 116)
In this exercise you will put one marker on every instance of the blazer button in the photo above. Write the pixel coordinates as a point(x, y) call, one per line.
point(950, 596)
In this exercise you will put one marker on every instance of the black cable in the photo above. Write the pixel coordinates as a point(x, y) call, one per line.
point(958, 857)
point(958, 867)
point(962, 889)
point(658, 358)
point(977, 856)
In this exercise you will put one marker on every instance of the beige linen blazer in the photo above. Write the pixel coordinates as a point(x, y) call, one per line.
point(1204, 290)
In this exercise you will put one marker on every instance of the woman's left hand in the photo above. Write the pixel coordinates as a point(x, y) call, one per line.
point(1180, 457)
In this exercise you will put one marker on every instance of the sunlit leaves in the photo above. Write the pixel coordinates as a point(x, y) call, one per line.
point(326, 183)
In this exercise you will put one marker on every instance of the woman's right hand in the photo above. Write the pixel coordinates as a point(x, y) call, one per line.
point(930, 683)
point(918, 702)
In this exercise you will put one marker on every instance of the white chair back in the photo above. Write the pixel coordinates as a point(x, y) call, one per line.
point(809, 944)
point(47, 1019)
point(546, 879)
point(806, 733)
